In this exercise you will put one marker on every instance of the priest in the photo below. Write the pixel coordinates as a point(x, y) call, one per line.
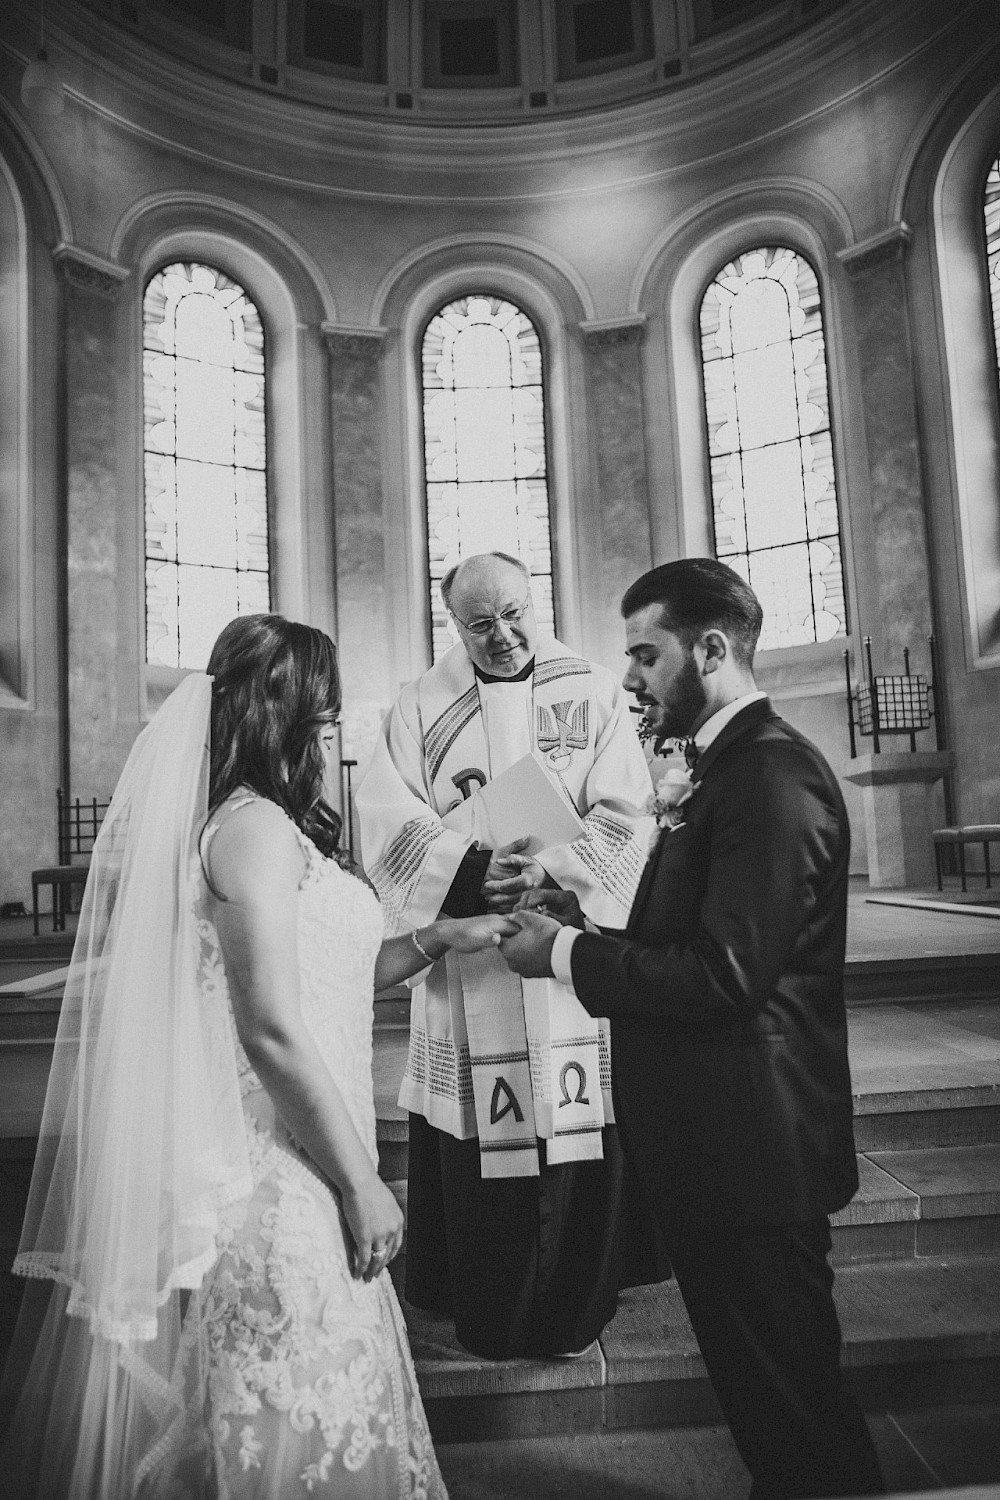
point(521, 1221)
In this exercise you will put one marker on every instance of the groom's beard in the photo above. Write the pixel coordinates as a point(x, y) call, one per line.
point(683, 705)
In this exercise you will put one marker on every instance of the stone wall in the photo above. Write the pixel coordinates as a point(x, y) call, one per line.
point(607, 225)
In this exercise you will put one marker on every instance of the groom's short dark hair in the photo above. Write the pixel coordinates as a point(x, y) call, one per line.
point(698, 594)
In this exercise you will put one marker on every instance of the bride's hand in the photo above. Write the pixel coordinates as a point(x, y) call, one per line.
point(376, 1224)
point(470, 934)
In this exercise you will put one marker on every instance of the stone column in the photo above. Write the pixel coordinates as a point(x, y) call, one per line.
point(888, 398)
point(896, 791)
point(363, 594)
point(618, 449)
point(897, 802)
point(90, 288)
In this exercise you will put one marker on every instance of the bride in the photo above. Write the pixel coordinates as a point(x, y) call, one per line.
point(206, 1216)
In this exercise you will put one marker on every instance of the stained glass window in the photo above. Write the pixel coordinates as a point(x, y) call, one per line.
point(205, 461)
point(774, 489)
point(991, 213)
point(484, 448)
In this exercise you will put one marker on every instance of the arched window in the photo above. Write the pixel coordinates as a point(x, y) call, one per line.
point(767, 407)
point(484, 447)
point(205, 457)
point(991, 215)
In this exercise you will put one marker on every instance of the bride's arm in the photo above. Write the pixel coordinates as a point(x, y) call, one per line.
point(257, 865)
point(401, 957)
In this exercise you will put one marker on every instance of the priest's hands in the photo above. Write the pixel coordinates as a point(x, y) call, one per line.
point(562, 905)
point(509, 875)
point(529, 951)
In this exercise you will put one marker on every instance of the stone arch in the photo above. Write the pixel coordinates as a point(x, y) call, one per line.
point(33, 220)
point(668, 290)
point(557, 301)
point(945, 192)
point(294, 301)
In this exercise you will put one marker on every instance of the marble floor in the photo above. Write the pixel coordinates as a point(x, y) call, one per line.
point(927, 1448)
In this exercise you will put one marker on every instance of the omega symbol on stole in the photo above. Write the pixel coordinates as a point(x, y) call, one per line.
point(581, 1083)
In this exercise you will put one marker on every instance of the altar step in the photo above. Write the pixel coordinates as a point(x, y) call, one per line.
point(937, 976)
point(926, 1077)
point(926, 1448)
point(917, 1253)
point(916, 1332)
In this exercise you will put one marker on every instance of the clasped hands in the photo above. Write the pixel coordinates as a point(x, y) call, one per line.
point(518, 887)
point(525, 910)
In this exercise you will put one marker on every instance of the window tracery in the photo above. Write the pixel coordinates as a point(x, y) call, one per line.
point(485, 468)
point(991, 218)
point(774, 487)
point(205, 461)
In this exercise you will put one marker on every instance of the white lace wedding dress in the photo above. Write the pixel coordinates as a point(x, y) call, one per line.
point(297, 1377)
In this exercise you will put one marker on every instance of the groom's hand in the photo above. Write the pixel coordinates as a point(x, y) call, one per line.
point(529, 951)
point(562, 905)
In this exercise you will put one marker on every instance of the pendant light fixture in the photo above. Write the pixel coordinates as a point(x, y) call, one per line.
point(41, 86)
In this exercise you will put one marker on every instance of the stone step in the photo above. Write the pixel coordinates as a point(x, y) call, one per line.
point(924, 1075)
point(935, 1202)
point(917, 1332)
point(942, 977)
point(919, 1449)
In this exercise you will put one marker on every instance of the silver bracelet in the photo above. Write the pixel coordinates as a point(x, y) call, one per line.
point(420, 948)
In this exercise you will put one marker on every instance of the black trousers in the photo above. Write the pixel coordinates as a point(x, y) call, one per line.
point(524, 1265)
point(761, 1305)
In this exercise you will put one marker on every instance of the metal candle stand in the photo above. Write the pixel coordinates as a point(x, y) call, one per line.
point(899, 704)
point(895, 784)
point(346, 767)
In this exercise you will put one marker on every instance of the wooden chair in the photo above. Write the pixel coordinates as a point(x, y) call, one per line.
point(77, 822)
point(957, 838)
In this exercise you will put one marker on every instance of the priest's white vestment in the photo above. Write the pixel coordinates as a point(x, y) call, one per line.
point(492, 1056)
point(519, 1199)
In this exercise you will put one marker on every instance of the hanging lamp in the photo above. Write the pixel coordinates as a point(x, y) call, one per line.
point(41, 87)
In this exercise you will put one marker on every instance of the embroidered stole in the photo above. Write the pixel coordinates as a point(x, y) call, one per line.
point(538, 1064)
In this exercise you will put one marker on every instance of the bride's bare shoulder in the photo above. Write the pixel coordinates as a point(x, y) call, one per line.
point(254, 842)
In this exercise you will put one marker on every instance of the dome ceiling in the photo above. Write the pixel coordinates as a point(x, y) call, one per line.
point(458, 61)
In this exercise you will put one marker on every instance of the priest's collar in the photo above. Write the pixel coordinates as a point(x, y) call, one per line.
point(521, 676)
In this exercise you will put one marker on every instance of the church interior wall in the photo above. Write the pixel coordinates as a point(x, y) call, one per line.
point(961, 422)
point(605, 226)
point(31, 614)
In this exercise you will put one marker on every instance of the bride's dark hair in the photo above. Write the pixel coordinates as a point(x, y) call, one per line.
point(275, 684)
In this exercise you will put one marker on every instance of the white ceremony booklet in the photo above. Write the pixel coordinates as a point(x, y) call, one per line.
point(524, 799)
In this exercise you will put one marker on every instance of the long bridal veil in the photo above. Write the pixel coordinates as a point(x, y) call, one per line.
point(142, 1141)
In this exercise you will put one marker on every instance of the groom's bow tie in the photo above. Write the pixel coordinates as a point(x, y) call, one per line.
point(691, 754)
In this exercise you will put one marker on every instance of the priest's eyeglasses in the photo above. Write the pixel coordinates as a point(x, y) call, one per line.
point(489, 623)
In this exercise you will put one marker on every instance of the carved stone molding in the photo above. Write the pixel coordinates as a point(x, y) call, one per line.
point(90, 272)
point(889, 245)
point(600, 332)
point(343, 342)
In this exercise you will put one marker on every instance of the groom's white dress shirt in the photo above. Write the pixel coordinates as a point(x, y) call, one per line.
point(562, 947)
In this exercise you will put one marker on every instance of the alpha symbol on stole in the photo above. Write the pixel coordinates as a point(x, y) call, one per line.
point(581, 1083)
point(504, 1100)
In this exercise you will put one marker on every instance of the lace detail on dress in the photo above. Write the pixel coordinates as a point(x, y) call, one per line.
point(296, 1378)
point(291, 1335)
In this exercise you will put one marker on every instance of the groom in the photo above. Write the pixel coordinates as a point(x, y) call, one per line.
point(725, 995)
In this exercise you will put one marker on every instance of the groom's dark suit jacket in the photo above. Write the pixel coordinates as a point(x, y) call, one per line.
point(725, 994)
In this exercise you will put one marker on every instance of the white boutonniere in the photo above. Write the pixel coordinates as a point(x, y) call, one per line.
point(668, 802)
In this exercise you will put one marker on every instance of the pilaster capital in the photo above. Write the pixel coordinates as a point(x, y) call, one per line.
point(878, 249)
point(601, 333)
point(344, 342)
point(89, 272)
